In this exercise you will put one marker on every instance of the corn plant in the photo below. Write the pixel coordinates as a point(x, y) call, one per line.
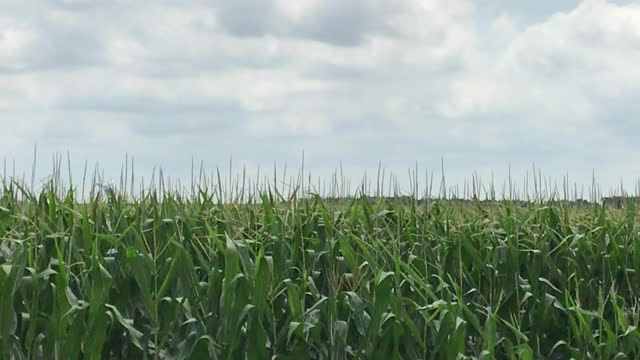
point(164, 276)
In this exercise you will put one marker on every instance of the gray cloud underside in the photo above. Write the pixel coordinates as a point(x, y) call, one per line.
point(482, 83)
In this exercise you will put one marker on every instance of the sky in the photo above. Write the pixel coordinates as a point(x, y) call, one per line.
point(479, 85)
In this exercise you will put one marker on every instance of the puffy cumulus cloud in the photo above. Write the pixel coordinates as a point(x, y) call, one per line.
point(561, 73)
point(480, 83)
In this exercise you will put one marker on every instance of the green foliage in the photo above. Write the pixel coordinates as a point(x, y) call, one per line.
point(163, 277)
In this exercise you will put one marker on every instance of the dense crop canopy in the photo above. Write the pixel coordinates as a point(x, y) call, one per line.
point(311, 278)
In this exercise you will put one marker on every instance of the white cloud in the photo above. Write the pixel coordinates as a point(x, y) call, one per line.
point(560, 73)
point(392, 80)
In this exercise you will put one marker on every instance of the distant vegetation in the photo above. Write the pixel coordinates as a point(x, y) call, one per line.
point(160, 275)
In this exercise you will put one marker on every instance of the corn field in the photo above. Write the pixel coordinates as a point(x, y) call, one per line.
point(167, 276)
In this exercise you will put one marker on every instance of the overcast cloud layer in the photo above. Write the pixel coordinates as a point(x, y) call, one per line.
point(479, 83)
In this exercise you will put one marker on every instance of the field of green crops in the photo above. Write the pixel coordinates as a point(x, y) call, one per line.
point(164, 276)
